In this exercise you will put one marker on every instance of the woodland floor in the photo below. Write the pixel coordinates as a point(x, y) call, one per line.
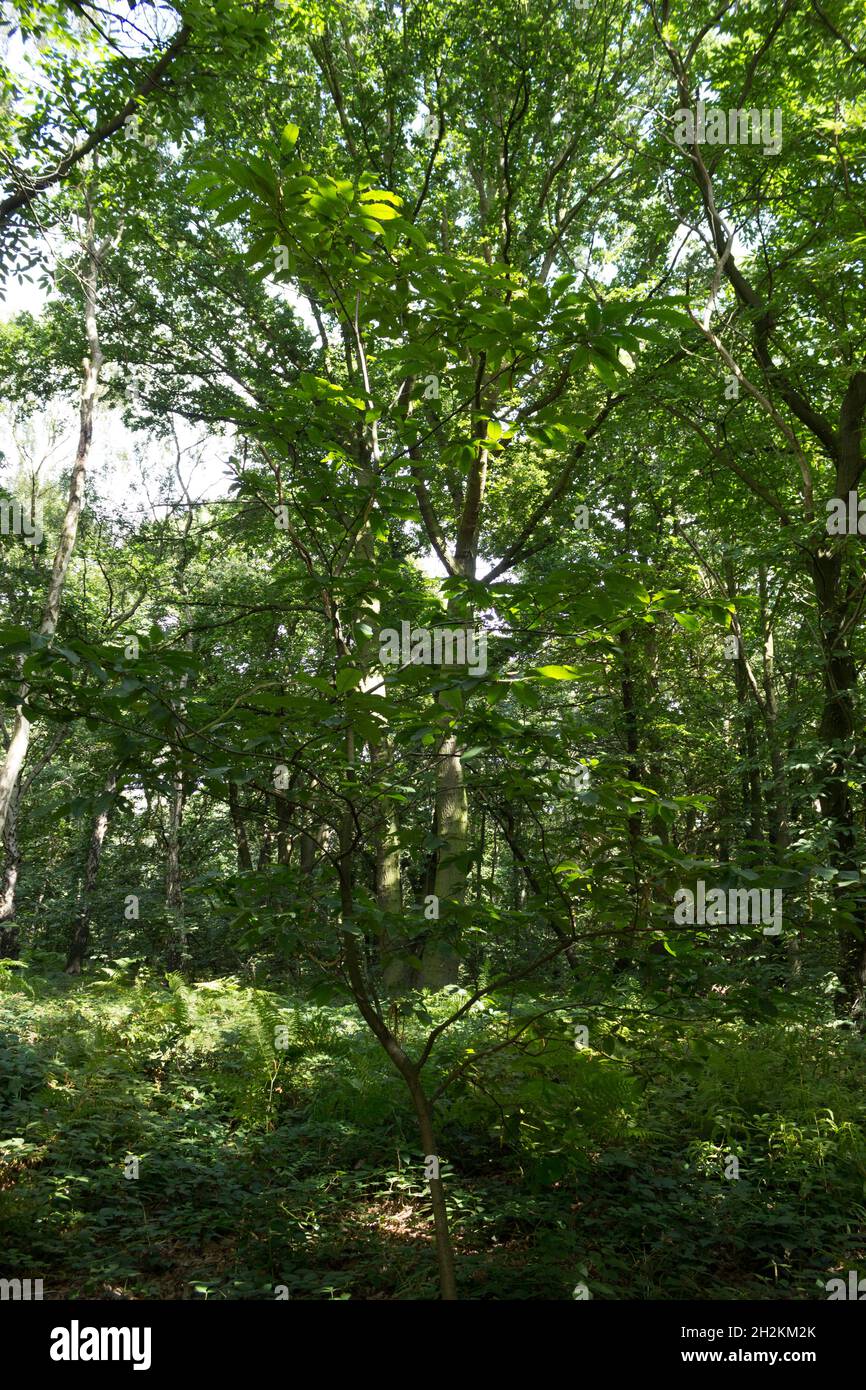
point(301, 1167)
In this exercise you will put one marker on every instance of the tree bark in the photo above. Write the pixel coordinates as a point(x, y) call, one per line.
point(9, 943)
point(408, 1069)
point(310, 847)
point(440, 962)
point(750, 775)
point(81, 932)
point(778, 808)
point(837, 732)
point(177, 955)
point(20, 738)
point(245, 858)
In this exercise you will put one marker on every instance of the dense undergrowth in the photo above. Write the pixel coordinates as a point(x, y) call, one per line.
point(298, 1168)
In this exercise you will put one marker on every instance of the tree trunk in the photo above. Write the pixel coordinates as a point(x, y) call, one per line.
point(20, 738)
point(403, 1063)
point(442, 1234)
point(81, 932)
point(396, 971)
point(634, 773)
point(837, 732)
point(9, 943)
point(245, 859)
point(310, 847)
point(440, 962)
point(750, 773)
point(778, 809)
point(284, 809)
point(265, 849)
point(177, 956)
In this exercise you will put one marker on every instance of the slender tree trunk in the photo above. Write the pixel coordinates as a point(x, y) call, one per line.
point(753, 808)
point(837, 733)
point(403, 1063)
point(81, 931)
point(9, 943)
point(9, 937)
point(778, 803)
point(779, 811)
point(724, 806)
point(396, 971)
point(442, 1234)
point(284, 819)
point(245, 858)
point(440, 960)
point(750, 774)
point(310, 846)
point(19, 741)
point(177, 956)
point(265, 849)
point(634, 773)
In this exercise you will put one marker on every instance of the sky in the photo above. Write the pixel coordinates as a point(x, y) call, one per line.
point(126, 467)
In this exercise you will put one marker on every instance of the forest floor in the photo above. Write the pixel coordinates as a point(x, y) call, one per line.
point(298, 1168)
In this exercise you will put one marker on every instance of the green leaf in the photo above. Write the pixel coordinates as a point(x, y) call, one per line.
point(383, 212)
point(348, 679)
point(558, 673)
